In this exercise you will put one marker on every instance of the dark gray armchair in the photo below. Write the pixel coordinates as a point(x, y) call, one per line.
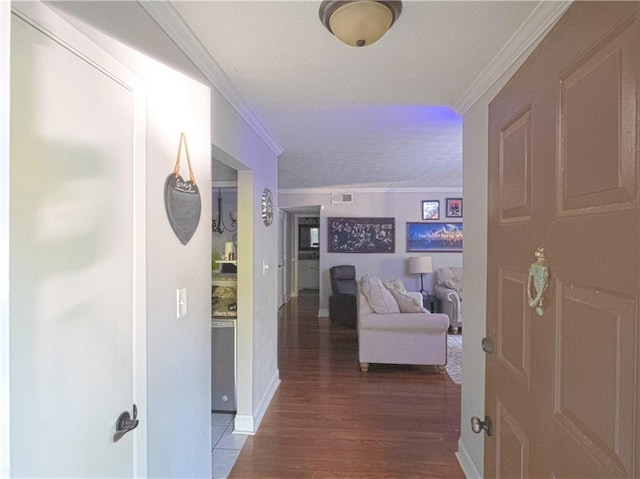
point(343, 301)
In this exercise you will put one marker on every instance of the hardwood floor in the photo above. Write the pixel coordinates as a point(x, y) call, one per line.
point(329, 420)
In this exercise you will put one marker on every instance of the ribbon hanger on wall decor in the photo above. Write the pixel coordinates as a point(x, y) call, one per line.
point(182, 198)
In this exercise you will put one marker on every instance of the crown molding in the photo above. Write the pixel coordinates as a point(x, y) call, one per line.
point(532, 30)
point(170, 20)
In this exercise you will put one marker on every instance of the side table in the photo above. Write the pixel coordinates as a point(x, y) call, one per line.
point(432, 303)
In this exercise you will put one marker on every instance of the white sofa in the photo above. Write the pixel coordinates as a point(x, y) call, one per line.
point(448, 288)
point(401, 338)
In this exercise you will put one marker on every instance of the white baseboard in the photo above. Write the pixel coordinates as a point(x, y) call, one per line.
point(243, 424)
point(323, 313)
point(246, 424)
point(266, 399)
point(468, 467)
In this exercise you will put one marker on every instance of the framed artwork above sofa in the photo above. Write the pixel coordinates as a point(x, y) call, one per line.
point(431, 210)
point(440, 237)
point(361, 235)
point(454, 207)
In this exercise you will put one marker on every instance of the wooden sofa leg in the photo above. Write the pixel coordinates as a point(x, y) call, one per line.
point(364, 367)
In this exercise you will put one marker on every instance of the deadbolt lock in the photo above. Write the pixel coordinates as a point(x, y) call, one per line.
point(477, 425)
point(488, 345)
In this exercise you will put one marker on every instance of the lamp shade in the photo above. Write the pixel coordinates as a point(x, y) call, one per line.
point(420, 264)
point(359, 22)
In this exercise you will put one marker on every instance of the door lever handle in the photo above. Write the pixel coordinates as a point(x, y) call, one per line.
point(126, 423)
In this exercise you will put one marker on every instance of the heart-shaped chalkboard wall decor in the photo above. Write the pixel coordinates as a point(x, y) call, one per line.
point(182, 199)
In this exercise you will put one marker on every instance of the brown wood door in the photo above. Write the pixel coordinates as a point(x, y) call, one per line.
point(562, 387)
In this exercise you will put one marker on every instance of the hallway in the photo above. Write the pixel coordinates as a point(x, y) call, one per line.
point(328, 420)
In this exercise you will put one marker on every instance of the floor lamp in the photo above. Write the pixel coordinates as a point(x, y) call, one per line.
point(421, 265)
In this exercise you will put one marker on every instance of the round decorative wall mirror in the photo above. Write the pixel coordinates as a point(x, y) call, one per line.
point(267, 207)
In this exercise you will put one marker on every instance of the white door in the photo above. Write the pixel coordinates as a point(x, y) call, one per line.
point(76, 254)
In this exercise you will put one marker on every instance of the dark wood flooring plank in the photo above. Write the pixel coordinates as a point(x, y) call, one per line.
point(329, 420)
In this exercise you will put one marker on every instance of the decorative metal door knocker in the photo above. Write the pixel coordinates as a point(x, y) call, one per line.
point(539, 276)
point(182, 198)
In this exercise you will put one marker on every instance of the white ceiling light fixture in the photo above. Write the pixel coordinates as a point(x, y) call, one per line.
point(359, 22)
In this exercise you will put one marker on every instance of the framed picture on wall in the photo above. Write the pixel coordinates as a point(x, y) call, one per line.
point(441, 237)
point(361, 235)
point(431, 210)
point(454, 208)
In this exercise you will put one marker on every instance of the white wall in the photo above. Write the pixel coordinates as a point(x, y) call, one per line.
point(475, 145)
point(178, 351)
point(5, 42)
point(403, 205)
point(236, 143)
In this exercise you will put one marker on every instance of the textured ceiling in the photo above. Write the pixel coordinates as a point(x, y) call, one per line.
point(378, 116)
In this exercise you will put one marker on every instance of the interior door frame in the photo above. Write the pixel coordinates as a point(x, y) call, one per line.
point(283, 258)
point(294, 253)
point(46, 20)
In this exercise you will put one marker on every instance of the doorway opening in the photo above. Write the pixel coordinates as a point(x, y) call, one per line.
point(224, 312)
point(306, 247)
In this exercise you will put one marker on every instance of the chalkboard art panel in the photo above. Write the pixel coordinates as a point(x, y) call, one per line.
point(361, 235)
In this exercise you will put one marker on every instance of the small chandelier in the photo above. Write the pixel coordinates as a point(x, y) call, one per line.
point(359, 22)
point(218, 226)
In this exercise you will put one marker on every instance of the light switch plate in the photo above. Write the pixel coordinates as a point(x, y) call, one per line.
point(181, 302)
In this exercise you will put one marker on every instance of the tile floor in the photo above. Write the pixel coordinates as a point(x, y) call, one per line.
point(226, 445)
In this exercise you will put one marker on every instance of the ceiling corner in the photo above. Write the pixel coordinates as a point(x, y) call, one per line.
point(170, 20)
point(532, 30)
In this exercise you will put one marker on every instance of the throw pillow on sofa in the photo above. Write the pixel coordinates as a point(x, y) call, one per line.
point(406, 303)
point(378, 297)
point(395, 284)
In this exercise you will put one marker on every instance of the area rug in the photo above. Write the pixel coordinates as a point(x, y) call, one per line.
point(454, 357)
